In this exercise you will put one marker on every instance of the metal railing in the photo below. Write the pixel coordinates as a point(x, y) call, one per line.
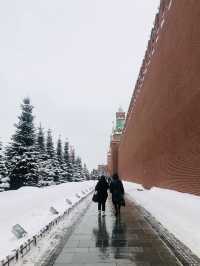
point(28, 245)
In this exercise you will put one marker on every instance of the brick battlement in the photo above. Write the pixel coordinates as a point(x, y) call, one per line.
point(165, 6)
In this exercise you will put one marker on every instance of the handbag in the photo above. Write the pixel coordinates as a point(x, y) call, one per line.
point(95, 197)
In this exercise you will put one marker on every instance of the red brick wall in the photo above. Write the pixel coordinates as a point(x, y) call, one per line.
point(114, 157)
point(160, 145)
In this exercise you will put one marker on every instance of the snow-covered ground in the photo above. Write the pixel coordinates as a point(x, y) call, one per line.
point(177, 212)
point(30, 207)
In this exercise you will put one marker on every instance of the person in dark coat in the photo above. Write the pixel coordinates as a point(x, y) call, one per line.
point(117, 190)
point(101, 188)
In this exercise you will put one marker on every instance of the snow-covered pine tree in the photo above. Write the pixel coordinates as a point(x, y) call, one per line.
point(85, 172)
point(66, 152)
point(47, 173)
point(49, 145)
point(21, 152)
point(60, 168)
point(78, 170)
point(67, 164)
point(59, 151)
point(52, 163)
point(41, 140)
point(4, 179)
point(44, 173)
point(72, 165)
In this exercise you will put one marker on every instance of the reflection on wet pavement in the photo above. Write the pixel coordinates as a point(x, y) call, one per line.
point(128, 240)
point(101, 235)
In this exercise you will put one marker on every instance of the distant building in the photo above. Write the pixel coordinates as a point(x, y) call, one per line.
point(102, 169)
point(94, 174)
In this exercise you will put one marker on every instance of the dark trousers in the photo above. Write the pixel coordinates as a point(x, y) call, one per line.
point(102, 206)
point(117, 209)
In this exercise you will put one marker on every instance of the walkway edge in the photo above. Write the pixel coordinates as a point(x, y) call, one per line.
point(181, 251)
point(52, 256)
point(31, 243)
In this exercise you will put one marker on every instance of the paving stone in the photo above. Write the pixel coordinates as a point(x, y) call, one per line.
point(65, 258)
point(72, 244)
point(126, 240)
point(75, 250)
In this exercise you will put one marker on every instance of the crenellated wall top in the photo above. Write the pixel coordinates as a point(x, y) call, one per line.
point(159, 22)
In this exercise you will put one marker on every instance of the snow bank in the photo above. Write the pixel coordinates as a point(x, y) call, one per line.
point(178, 212)
point(30, 207)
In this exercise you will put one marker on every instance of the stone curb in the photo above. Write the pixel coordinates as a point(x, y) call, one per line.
point(28, 245)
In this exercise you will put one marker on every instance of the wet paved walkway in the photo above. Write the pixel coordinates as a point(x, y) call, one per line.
point(107, 241)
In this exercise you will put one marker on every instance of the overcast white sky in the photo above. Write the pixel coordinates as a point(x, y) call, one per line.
point(77, 60)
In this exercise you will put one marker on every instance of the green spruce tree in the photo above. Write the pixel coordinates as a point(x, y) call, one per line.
point(52, 162)
point(78, 170)
point(85, 172)
point(59, 151)
point(67, 164)
point(41, 140)
point(44, 173)
point(49, 145)
point(21, 152)
point(72, 163)
point(60, 167)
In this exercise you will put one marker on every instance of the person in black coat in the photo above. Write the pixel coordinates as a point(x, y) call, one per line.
point(117, 190)
point(101, 188)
